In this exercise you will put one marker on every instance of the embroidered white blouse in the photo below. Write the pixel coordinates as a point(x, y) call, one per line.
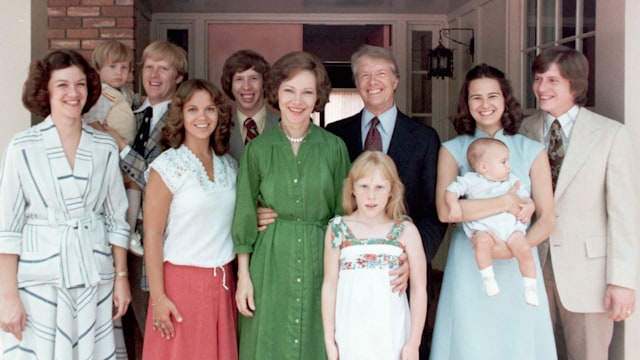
point(198, 230)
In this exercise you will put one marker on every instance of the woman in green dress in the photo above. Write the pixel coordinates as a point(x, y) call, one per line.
point(296, 169)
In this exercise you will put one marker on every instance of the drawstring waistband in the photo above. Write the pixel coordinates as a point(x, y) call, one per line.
point(224, 276)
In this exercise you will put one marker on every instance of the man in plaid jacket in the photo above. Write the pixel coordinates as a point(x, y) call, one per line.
point(164, 66)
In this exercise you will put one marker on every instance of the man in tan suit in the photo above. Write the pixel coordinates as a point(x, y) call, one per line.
point(590, 261)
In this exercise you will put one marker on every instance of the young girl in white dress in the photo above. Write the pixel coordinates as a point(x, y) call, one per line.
point(362, 317)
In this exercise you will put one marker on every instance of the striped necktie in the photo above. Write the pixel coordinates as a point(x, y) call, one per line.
point(252, 130)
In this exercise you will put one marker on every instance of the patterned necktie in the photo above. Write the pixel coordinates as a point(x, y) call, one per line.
point(252, 130)
point(140, 142)
point(373, 141)
point(556, 151)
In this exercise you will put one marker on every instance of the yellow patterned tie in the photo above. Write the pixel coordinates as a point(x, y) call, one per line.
point(555, 151)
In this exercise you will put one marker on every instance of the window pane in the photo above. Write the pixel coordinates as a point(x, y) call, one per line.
point(543, 13)
point(342, 104)
point(589, 21)
point(589, 50)
point(548, 17)
point(179, 37)
point(424, 119)
point(420, 47)
point(532, 15)
point(420, 94)
point(568, 18)
point(530, 99)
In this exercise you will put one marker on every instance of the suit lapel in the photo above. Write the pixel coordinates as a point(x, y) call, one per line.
point(235, 138)
point(533, 128)
point(156, 134)
point(584, 139)
point(272, 120)
point(398, 147)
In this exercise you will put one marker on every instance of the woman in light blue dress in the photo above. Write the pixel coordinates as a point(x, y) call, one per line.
point(470, 324)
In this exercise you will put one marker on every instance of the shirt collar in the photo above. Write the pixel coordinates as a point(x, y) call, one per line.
point(260, 118)
point(387, 119)
point(567, 120)
point(158, 108)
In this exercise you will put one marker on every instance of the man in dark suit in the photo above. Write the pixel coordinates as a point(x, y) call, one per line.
point(411, 144)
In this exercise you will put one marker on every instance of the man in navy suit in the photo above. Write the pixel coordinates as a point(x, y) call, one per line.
point(411, 144)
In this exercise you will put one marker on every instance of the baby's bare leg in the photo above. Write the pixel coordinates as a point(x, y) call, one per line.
point(521, 250)
point(483, 246)
point(134, 196)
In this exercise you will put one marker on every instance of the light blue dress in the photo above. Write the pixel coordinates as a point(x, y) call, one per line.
point(472, 325)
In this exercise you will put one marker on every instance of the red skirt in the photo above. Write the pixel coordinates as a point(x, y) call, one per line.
point(209, 315)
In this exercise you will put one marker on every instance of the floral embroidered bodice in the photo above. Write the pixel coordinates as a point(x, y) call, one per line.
point(181, 162)
point(366, 253)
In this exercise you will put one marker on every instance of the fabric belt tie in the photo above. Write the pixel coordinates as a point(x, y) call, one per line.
point(76, 248)
point(322, 224)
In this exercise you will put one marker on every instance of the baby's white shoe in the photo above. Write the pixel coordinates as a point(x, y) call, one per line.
point(491, 286)
point(135, 244)
point(531, 296)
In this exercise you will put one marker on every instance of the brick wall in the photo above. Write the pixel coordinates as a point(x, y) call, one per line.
point(82, 24)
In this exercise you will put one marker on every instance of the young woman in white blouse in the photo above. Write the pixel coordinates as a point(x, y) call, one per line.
point(190, 197)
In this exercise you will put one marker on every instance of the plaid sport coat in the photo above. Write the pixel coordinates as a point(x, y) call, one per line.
point(134, 164)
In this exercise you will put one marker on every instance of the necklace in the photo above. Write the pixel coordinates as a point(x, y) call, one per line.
point(294, 139)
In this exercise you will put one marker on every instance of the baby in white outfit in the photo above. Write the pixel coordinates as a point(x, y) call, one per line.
point(491, 177)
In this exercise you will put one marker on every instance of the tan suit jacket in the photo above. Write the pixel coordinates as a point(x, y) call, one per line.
point(595, 242)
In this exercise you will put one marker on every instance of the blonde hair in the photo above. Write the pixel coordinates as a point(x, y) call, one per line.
point(111, 51)
point(479, 148)
point(164, 50)
point(367, 163)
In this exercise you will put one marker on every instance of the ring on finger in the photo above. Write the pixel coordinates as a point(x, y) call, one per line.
point(162, 326)
point(155, 324)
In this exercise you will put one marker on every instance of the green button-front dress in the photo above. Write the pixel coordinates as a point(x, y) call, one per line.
point(287, 259)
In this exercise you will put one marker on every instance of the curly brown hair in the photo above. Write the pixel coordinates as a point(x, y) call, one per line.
point(291, 64)
point(239, 61)
point(511, 120)
point(173, 133)
point(35, 92)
